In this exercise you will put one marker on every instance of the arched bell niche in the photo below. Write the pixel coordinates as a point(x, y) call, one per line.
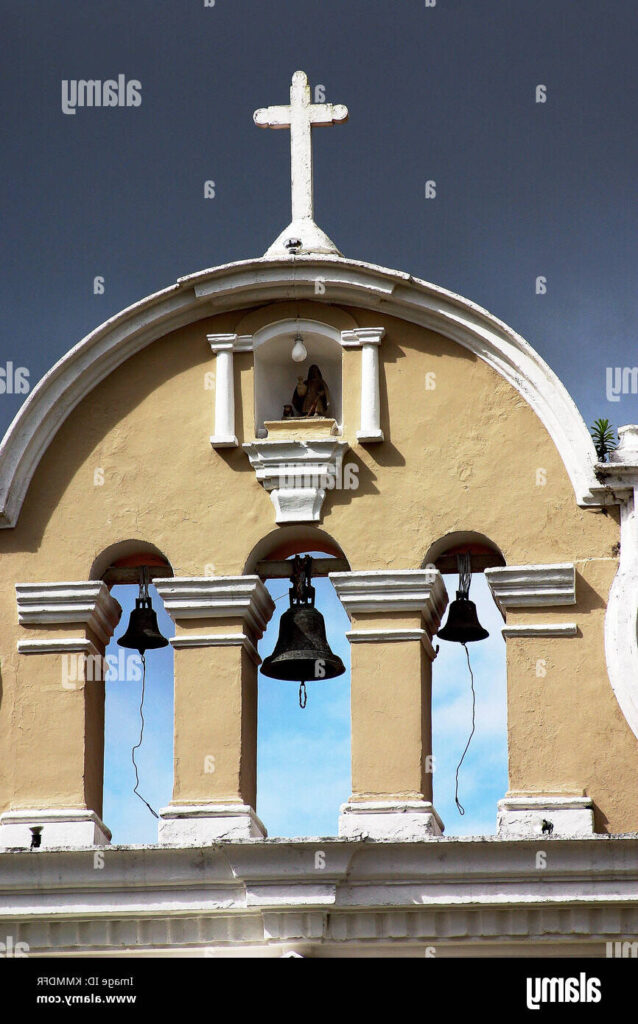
point(483, 775)
point(303, 755)
point(277, 373)
point(127, 814)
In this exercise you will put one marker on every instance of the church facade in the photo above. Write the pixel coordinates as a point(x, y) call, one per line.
point(430, 430)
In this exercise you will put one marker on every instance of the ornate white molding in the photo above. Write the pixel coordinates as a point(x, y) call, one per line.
point(254, 282)
point(368, 339)
point(61, 604)
point(297, 474)
point(195, 824)
point(214, 597)
point(532, 586)
point(398, 820)
point(397, 590)
point(524, 816)
point(66, 827)
point(218, 640)
point(541, 629)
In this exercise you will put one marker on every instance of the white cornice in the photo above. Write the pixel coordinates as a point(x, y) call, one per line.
point(61, 604)
point(532, 586)
point(465, 893)
point(256, 282)
point(214, 597)
point(398, 590)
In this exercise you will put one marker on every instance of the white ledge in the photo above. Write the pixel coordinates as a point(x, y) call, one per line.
point(61, 604)
point(398, 590)
point(537, 586)
point(214, 597)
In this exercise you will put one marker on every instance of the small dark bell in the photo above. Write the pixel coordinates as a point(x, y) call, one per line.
point(302, 651)
point(463, 626)
point(143, 632)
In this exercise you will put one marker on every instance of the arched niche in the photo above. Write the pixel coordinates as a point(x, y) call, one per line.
point(120, 566)
point(313, 745)
point(483, 775)
point(276, 372)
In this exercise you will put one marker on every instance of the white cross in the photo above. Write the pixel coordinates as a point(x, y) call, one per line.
point(300, 116)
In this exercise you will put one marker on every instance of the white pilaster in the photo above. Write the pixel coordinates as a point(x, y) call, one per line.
point(368, 339)
point(224, 346)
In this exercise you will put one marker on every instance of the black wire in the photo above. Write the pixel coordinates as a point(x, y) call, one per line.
point(139, 744)
point(456, 795)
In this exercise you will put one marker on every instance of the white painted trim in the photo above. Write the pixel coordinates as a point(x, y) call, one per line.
point(195, 824)
point(88, 602)
point(68, 645)
point(214, 597)
point(397, 590)
point(532, 586)
point(296, 474)
point(218, 640)
point(68, 827)
point(384, 636)
point(397, 820)
point(523, 816)
point(222, 345)
point(541, 629)
point(259, 281)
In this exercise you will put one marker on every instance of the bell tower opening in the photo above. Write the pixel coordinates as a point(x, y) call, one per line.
point(483, 774)
point(138, 734)
point(303, 753)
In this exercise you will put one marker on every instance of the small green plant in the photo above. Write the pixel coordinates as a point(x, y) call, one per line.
point(604, 437)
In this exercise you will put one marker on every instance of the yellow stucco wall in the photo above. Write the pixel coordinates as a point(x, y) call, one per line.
point(463, 456)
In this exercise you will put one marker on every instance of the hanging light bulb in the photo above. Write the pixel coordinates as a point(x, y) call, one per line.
point(299, 350)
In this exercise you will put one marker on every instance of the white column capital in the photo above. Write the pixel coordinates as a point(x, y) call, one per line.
point(362, 336)
point(216, 597)
point(397, 590)
point(86, 602)
point(230, 342)
point(532, 586)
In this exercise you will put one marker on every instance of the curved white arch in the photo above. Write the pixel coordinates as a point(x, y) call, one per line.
point(251, 282)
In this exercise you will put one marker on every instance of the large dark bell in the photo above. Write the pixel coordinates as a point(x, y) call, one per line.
point(463, 626)
point(302, 652)
point(143, 632)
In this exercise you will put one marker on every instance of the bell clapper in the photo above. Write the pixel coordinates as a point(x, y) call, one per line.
point(303, 695)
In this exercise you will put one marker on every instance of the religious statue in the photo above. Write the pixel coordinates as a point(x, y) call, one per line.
point(311, 396)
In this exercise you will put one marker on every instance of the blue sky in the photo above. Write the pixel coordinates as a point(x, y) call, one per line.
point(304, 755)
